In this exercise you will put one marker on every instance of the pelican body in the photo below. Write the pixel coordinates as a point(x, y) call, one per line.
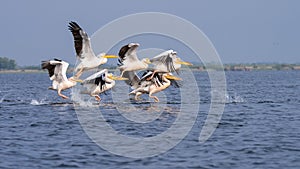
point(128, 59)
point(159, 82)
point(167, 61)
point(98, 83)
point(84, 51)
point(57, 71)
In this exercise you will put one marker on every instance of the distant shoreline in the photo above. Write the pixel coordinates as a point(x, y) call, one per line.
point(22, 71)
point(193, 69)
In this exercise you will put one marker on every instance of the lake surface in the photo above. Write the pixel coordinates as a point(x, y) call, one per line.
point(260, 126)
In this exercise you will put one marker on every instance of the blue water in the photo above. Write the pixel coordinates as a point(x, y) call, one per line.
point(260, 126)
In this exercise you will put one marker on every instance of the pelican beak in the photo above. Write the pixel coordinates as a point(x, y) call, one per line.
point(110, 56)
point(183, 63)
point(112, 77)
point(78, 80)
point(148, 61)
point(171, 77)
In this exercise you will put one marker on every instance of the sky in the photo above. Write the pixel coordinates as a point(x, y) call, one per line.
point(242, 31)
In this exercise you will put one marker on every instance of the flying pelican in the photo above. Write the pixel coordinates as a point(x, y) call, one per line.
point(84, 50)
point(129, 61)
point(57, 71)
point(99, 82)
point(167, 61)
point(160, 82)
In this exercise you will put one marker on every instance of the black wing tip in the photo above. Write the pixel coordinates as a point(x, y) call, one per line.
point(76, 30)
point(57, 59)
point(73, 26)
point(49, 67)
point(175, 84)
point(73, 23)
point(45, 64)
point(123, 51)
point(120, 62)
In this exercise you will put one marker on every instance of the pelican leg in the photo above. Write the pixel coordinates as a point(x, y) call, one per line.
point(122, 73)
point(97, 97)
point(61, 95)
point(153, 97)
point(137, 96)
point(78, 74)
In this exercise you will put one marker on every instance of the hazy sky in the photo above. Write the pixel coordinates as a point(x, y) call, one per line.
point(242, 31)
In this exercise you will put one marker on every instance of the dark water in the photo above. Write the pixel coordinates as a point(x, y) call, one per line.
point(260, 127)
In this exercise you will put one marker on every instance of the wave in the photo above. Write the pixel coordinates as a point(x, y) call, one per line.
point(266, 101)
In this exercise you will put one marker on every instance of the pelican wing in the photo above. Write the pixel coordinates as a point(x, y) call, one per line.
point(125, 57)
point(94, 78)
point(122, 52)
point(149, 73)
point(175, 84)
point(81, 41)
point(164, 62)
point(97, 79)
point(157, 77)
point(49, 67)
point(133, 79)
point(60, 72)
point(57, 69)
point(146, 75)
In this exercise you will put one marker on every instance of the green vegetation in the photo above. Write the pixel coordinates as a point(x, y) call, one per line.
point(7, 64)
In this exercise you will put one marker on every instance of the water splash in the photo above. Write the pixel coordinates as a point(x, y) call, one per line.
point(3, 97)
point(82, 100)
point(37, 103)
point(1, 100)
point(228, 98)
point(234, 99)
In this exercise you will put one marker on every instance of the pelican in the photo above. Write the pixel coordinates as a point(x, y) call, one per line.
point(98, 83)
point(84, 51)
point(160, 82)
point(129, 61)
point(57, 71)
point(167, 61)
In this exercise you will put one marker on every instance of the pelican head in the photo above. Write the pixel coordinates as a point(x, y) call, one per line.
point(146, 60)
point(173, 53)
point(103, 57)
